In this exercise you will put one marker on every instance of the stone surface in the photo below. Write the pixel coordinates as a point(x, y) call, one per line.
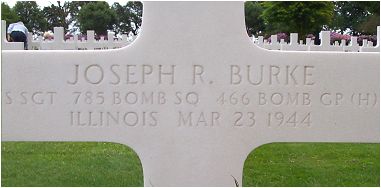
point(195, 100)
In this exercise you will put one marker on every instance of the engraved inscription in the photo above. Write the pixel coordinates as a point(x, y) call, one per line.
point(295, 119)
point(272, 75)
point(244, 107)
point(95, 74)
point(33, 97)
point(198, 118)
point(101, 118)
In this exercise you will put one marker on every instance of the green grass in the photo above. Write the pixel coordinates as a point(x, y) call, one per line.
point(108, 164)
point(69, 164)
point(295, 165)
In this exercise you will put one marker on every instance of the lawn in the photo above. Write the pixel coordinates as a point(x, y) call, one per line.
point(318, 165)
point(108, 164)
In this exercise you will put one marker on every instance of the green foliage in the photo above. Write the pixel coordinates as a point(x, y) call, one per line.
point(301, 17)
point(129, 17)
point(62, 15)
point(74, 7)
point(97, 16)
point(254, 22)
point(56, 16)
point(361, 17)
point(31, 15)
point(107, 164)
point(369, 27)
point(8, 14)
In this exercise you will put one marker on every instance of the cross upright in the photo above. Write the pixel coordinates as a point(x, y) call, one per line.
point(193, 96)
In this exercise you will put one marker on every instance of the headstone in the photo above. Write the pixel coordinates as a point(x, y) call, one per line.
point(102, 43)
point(72, 43)
point(253, 39)
point(294, 46)
point(121, 43)
point(369, 47)
point(193, 102)
point(282, 41)
point(260, 41)
point(309, 41)
point(274, 44)
point(343, 44)
point(353, 45)
point(89, 43)
point(33, 44)
point(325, 44)
point(110, 40)
point(59, 42)
point(5, 45)
point(364, 43)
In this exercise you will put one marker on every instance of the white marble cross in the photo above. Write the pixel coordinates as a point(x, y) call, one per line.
point(4, 41)
point(59, 42)
point(294, 46)
point(325, 44)
point(193, 96)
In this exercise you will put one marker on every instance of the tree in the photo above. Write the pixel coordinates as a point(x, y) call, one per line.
point(369, 27)
point(8, 14)
point(96, 16)
point(254, 22)
point(56, 16)
point(63, 15)
point(31, 15)
point(129, 17)
point(361, 17)
point(74, 7)
point(295, 16)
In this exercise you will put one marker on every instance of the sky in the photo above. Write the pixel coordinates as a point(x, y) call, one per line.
point(45, 3)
